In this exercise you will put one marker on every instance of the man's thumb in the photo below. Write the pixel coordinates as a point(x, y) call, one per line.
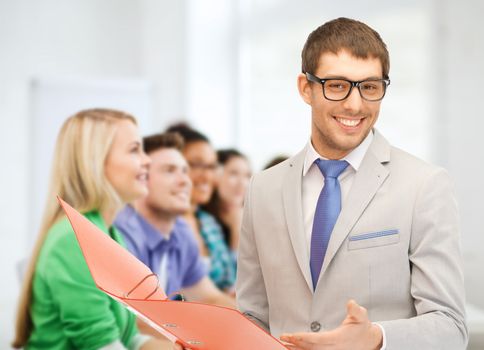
point(355, 312)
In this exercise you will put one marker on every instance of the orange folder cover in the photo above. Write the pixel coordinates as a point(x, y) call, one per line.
point(194, 325)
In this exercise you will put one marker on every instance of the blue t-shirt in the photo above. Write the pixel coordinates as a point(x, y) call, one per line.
point(185, 266)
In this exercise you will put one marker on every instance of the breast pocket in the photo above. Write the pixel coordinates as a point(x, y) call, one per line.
point(373, 239)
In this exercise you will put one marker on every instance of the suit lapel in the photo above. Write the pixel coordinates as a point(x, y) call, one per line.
point(292, 200)
point(368, 179)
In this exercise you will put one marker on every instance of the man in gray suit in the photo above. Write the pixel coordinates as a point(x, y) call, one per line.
point(351, 220)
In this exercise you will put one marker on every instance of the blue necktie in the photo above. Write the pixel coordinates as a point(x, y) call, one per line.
point(327, 211)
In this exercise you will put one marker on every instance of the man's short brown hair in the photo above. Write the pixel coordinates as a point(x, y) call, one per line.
point(344, 34)
point(161, 141)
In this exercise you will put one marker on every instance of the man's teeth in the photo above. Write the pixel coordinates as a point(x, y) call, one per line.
point(349, 122)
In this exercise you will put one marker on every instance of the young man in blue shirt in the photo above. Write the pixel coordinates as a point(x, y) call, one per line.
point(155, 232)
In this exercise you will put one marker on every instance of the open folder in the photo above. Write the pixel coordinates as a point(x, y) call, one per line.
point(195, 326)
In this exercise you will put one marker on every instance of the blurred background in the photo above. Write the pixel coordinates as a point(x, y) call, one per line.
point(229, 68)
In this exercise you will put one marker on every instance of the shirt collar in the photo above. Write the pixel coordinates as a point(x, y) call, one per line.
point(354, 158)
point(152, 236)
point(142, 232)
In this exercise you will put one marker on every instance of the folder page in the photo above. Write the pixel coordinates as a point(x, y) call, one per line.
point(122, 276)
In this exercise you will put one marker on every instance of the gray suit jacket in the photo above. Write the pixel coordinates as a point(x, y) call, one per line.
point(395, 249)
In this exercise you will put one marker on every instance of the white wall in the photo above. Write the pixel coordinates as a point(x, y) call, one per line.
point(211, 66)
point(163, 56)
point(462, 111)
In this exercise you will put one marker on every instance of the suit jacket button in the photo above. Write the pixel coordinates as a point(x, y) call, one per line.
point(315, 326)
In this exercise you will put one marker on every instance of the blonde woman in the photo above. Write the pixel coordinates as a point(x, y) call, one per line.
point(99, 165)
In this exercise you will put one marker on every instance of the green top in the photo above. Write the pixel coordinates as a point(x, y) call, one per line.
point(68, 310)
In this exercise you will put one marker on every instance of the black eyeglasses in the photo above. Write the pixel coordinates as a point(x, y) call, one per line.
point(338, 89)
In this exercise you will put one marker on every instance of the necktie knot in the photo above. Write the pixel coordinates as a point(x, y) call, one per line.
point(331, 168)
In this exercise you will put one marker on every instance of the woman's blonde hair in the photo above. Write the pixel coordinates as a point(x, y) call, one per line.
point(77, 177)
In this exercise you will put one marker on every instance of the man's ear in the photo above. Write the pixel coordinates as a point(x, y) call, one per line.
point(304, 87)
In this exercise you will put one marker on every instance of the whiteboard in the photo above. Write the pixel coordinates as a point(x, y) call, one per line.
point(53, 100)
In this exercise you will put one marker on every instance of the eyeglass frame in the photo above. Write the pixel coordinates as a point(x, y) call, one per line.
point(315, 79)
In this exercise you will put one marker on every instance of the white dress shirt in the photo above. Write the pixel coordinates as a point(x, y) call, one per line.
point(313, 183)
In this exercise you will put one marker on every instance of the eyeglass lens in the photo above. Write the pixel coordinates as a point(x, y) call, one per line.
point(371, 90)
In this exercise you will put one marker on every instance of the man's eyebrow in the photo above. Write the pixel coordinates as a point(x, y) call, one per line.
point(330, 76)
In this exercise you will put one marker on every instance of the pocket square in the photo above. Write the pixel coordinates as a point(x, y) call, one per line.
point(373, 235)
point(373, 239)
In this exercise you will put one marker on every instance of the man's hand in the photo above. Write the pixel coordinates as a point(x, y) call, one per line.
point(356, 332)
point(205, 291)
